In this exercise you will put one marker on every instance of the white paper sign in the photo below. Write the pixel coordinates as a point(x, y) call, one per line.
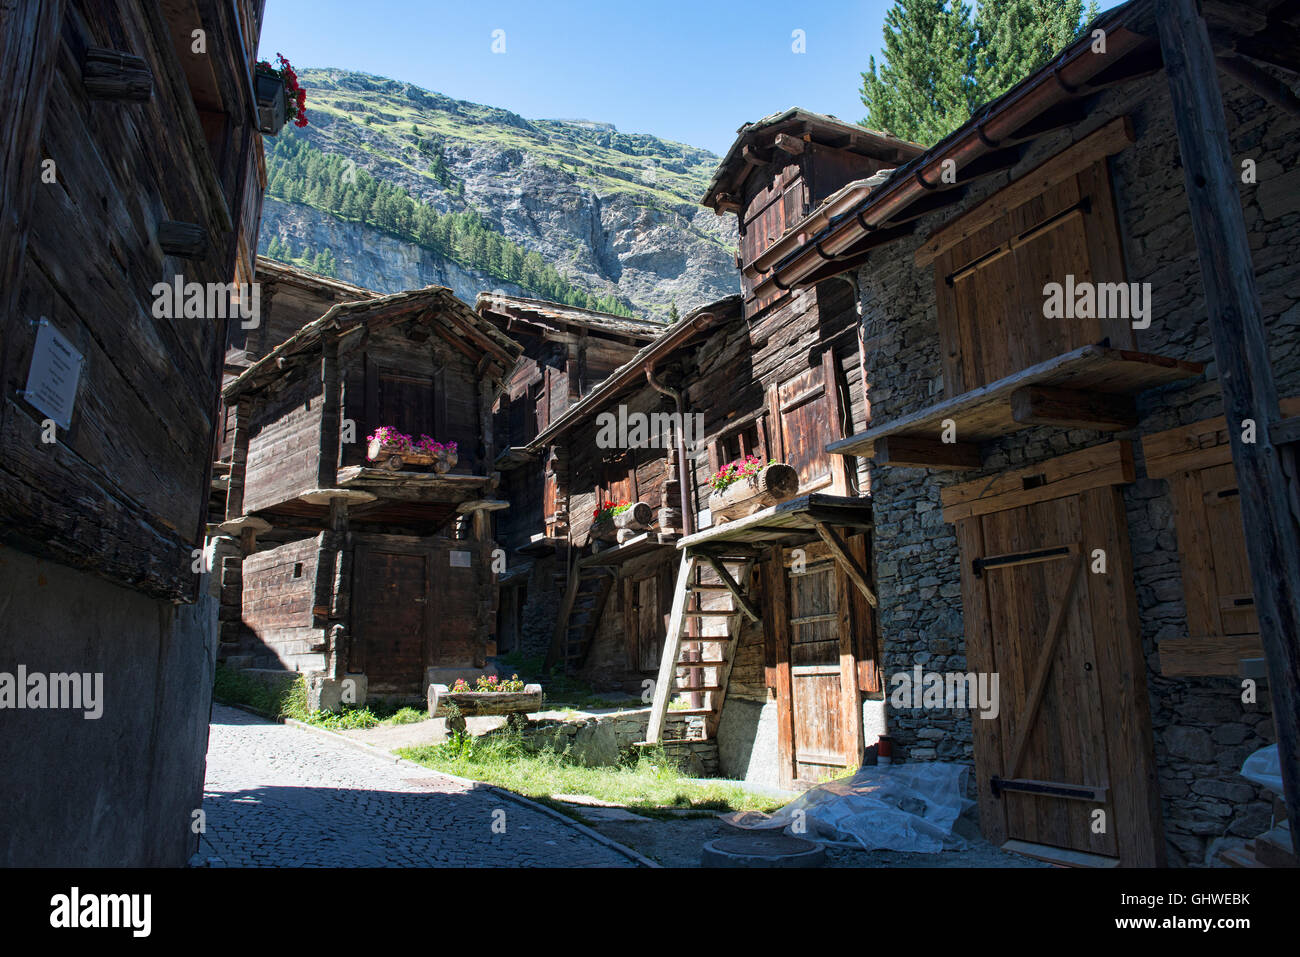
point(55, 371)
point(460, 559)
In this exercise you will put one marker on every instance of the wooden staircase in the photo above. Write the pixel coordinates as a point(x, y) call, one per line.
point(709, 606)
point(584, 600)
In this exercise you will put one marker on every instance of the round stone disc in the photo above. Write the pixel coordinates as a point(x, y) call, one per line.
point(762, 849)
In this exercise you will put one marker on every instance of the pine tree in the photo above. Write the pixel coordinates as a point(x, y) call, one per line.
point(672, 312)
point(1016, 37)
point(940, 62)
point(922, 90)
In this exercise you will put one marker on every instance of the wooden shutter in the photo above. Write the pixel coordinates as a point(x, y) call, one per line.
point(806, 417)
point(1222, 625)
point(407, 403)
point(989, 286)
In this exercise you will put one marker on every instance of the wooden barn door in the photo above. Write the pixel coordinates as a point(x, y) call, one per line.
point(390, 619)
point(820, 717)
point(1066, 767)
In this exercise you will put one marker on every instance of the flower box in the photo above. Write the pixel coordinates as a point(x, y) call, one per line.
point(279, 96)
point(271, 111)
point(479, 703)
point(394, 451)
point(753, 491)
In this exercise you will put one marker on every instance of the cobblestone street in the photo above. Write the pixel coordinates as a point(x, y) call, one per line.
point(278, 796)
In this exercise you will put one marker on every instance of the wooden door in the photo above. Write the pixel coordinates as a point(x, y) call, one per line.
point(822, 708)
point(390, 619)
point(1066, 764)
point(649, 601)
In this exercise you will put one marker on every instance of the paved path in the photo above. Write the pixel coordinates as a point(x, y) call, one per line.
point(277, 796)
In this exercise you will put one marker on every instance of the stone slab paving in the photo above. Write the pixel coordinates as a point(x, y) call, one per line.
point(277, 796)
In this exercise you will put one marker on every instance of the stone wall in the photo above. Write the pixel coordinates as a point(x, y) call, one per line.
point(541, 605)
point(1202, 730)
point(601, 740)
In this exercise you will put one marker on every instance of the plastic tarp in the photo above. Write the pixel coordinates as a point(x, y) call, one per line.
point(896, 807)
point(1265, 769)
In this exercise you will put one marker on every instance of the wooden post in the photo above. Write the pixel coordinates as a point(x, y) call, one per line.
point(672, 648)
point(238, 458)
point(331, 416)
point(1241, 351)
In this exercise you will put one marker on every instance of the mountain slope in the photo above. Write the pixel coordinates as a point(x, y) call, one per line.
point(406, 187)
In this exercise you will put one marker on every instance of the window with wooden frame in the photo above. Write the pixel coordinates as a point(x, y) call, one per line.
point(618, 480)
point(1055, 224)
point(1222, 625)
point(747, 436)
point(409, 403)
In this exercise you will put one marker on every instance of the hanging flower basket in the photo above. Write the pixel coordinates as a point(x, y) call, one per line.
point(279, 97)
point(395, 450)
point(748, 485)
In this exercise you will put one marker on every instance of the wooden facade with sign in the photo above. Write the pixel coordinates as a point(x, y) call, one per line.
point(115, 138)
point(350, 569)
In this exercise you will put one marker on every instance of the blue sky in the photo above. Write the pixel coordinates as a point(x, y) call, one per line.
point(685, 71)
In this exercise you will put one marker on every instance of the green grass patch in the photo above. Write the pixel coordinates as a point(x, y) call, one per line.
point(288, 699)
point(279, 700)
point(647, 781)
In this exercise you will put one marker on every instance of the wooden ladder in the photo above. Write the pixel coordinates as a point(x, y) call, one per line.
point(688, 657)
point(584, 601)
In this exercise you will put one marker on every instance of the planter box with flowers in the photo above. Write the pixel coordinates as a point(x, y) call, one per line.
point(489, 696)
point(748, 485)
point(603, 527)
point(394, 450)
point(279, 97)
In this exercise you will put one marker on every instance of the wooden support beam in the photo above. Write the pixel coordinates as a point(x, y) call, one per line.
point(1261, 82)
point(672, 649)
point(851, 568)
point(113, 75)
point(791, 144)
point(1074, 409)
point(737, 593)
point(910, 451)
point(1241, 351)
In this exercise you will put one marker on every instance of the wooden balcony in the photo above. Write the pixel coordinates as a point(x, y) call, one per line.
point(1092, 387)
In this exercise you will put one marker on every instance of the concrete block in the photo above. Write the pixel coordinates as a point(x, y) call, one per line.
point(331, 694)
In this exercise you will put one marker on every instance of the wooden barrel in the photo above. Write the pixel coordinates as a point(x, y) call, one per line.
point(769, 486)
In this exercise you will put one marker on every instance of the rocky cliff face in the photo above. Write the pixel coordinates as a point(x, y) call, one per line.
point(616, 215)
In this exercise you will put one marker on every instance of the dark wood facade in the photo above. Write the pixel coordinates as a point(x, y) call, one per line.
point(349, 568)
point(135, 458)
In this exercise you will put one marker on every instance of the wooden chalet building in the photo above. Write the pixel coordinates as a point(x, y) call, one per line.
point(352, 572)
point(761, 628)
point(1057, 496)
point(129, 162)
point(289, 298)
point(567, 351)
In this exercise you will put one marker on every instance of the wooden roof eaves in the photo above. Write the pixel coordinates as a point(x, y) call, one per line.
point(433, 303)
point(885, 205)
point(629, 375)
point(814, 127)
